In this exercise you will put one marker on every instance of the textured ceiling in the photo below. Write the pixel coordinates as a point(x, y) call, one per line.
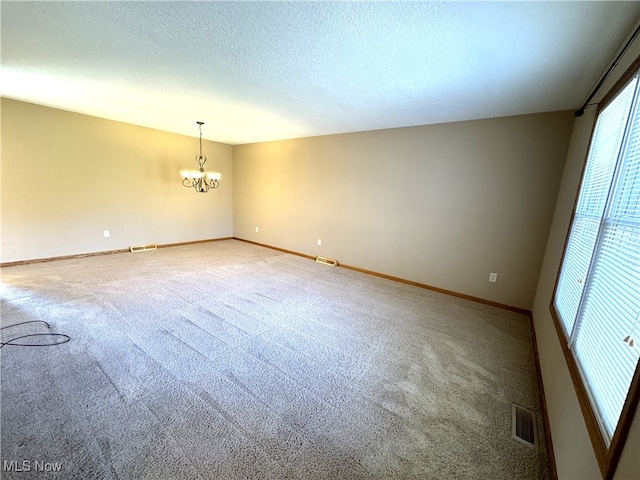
point(256, 71)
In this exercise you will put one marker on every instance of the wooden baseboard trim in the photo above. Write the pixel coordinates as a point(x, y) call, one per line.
point(62, 257)
point(440, 290)
point(106, 252)
point(194, 242)
point(553, 472)
point(284, 250)
point(491, 303)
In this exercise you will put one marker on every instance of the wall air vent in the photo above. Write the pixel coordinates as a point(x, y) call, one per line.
point(523, 425)
point(143, 248)
point(327, 261)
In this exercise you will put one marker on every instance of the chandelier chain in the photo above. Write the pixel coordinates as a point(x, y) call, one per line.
point(200, 127)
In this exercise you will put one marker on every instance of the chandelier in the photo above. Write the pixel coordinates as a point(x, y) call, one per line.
point(199, 179)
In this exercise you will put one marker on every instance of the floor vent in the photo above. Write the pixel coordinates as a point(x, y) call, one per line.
point(327, 261)
point(143, 248)
point(523, 425)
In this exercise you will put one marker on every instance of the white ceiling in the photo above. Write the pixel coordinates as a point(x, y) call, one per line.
point(257, 71)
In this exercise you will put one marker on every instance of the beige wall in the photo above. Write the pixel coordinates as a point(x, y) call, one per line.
point(67, 177)
point(442, 205)
point(573, 451)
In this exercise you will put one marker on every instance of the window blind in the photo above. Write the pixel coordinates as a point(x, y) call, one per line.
point(598, 293)
point(601, 162)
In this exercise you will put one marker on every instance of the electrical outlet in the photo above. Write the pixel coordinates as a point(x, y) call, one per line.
point(493, 277)
point(106, 233)
point(319, 242)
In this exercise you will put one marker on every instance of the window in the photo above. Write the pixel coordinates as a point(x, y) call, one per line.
point(596, 303)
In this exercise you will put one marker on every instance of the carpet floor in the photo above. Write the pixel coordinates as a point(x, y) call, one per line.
point(227, 360)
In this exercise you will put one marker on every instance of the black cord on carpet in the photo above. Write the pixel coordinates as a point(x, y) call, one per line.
point(64, 338)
